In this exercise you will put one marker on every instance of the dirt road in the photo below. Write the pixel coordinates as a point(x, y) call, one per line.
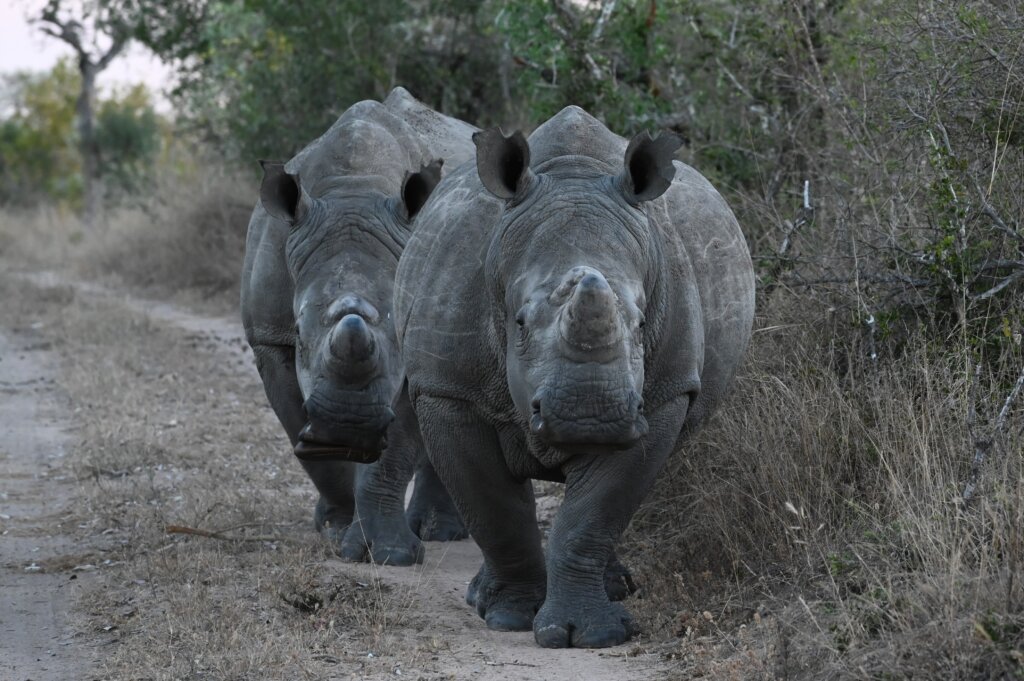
point(308, 612)
point(35, 429)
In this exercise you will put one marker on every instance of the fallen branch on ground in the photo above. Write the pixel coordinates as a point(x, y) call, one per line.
point(181, 529)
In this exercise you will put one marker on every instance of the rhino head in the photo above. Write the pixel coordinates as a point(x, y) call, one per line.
point(342, 254)
point(571, 267)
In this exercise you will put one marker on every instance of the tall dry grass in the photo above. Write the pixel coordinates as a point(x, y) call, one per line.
point(827, 494)
point(186, 233)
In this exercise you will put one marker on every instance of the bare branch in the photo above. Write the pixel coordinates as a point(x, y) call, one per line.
point(120, 41)
point(69, 31)
point(984, 445)
point(568, 25)
point(181, 529)
point(1019, 274)
point(607, 8)
point(989, 210)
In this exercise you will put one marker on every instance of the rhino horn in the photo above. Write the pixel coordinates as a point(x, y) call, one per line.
point(589, 319)
point(351, 341)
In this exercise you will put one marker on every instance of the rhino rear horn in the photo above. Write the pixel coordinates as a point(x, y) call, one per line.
point(417, 187)
point(503, 163)
point(281, 193)
point(648, 168)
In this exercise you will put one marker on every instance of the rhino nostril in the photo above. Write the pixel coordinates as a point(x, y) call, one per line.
point(535, 405)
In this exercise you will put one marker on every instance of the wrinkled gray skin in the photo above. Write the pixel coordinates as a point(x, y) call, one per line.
point(321, 255)
point(568, 310)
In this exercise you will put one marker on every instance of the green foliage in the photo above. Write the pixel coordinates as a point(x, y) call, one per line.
point(38, 141)
point(37, 152)
point(128, 135)
point(896, 117)
point(264, 79)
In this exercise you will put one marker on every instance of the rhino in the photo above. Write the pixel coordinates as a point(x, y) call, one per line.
point(570, 307)
point(321, 254)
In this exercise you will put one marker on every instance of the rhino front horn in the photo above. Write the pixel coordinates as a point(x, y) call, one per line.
point(352, 341)
point(590, 319)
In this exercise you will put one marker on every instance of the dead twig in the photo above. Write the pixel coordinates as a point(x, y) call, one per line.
point(783, 261)
point(181, 529)
point(982, 446)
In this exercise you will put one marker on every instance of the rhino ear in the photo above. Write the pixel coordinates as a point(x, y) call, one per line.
point(281, 193)
point(417, 187)
point(648, 168)
point(503, 163)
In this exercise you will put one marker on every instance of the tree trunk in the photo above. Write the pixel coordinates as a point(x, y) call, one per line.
point(92, 182)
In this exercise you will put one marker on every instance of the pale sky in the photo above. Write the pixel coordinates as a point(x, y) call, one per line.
point(25, 47)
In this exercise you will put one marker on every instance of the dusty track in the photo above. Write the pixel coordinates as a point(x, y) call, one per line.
point(423, 628)
point(35, 640)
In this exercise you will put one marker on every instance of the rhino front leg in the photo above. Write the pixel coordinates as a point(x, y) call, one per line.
point(497, 508)
point(618, 580)
point(432, 514)
point(602, 492)
point(333, 512)
point(380, 532)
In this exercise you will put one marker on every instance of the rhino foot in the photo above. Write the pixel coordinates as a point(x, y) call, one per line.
point(505, 607)
point(331, 521)
point(582, 624)
point(618, 581)
point(384, 541)
point(436, 524)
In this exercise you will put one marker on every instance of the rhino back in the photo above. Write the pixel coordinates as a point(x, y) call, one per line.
point(367, 140)
point(574, 132)
point(442, 136)
point(697, 226)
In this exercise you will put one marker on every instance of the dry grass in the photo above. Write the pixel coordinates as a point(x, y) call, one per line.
point(819, 516)
point(171, 432)
point(185, 240)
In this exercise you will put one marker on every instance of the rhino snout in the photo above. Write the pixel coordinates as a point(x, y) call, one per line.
point(357, 432)
point(352, 340)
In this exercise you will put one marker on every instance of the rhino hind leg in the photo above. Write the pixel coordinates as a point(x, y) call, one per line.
point(498, 509)
point(432, 514)
point(379, 533)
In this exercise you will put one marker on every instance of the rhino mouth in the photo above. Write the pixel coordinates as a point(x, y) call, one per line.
point(358, 447)
point(591, 427)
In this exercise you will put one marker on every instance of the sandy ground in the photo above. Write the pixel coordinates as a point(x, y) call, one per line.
point(37, 530)
point(424, 628)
